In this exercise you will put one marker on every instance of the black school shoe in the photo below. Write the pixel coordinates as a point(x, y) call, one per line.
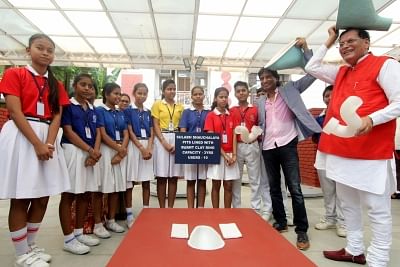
point(280, 228)
point(303, 242)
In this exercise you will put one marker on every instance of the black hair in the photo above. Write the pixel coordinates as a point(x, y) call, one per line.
point(216, 93)
point(241, 83)
point(363, 34)
point(327, 89)
point(81, 76)
point(138, 85)
point(96, 89)
point(165, 85)
point(272, 72)
point(260, 90)
point(108, 88)
point(53, 97)
point(124, 94)
point(197, 87)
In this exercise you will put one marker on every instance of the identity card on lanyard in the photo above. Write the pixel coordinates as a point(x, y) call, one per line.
point(242, 116)
point(171, 127)
point(224, 135)
point(142, 125)
point(117, 134)
point(88, 133)
point(198, 121)
point(41, 89)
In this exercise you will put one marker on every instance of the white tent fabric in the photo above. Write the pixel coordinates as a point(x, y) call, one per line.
point(159, 34)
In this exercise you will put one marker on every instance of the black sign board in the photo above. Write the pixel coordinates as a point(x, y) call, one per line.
point(197, 148)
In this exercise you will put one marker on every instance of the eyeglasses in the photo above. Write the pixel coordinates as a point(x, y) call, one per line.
point(349, 42)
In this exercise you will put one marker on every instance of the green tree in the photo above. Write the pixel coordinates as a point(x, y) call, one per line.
point(66, 75)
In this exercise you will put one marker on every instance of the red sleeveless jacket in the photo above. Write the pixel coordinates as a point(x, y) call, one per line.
point(360, 81)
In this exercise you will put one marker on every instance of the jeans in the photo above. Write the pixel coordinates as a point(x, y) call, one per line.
point(286, 157)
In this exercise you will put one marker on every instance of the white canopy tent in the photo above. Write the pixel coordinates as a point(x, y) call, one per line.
point(159, 34)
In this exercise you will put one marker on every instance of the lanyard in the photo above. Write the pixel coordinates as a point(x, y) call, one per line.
point(243, 113)
point(141, 115)
point(87, 113)
point(173, 111)
point(116, 120)
point(40, 88)
point(198, 117)
point(223, 123)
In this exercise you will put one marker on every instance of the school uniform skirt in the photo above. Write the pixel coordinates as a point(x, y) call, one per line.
point(195, 172)
point(139, 170)
point(222, 171)
point(83, 179)
point(23, 175)
point(113, 177)
point(164, 162)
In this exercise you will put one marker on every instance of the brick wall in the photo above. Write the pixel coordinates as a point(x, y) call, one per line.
point(3, 114)
point(307, 150)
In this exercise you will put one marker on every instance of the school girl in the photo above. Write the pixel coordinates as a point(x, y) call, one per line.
point(220, 121)
point(97, 197)
point(166, 115)
point(114, 138)
point(31, 159)
point(81, 145)
point(140, 150)
point(192, 121)
point(123, 105)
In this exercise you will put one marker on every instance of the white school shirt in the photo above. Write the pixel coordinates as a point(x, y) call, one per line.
point(366, 175)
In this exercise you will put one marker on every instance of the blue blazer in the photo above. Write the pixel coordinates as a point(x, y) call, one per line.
point(305, 123)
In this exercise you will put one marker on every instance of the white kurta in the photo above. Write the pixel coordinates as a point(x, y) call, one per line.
point(366, 175)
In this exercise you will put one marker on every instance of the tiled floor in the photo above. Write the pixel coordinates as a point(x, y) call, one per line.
point(50, 235)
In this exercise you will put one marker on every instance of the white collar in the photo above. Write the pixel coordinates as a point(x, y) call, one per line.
point(363, 57)
point(217, 112)
point(249, 105)
point(32, 70)
point(76, 103)
point(193, 108)
point(135, 107)
point(107, 107)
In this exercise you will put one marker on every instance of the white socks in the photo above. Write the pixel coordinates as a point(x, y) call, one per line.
point(19, 239)
point(129, 214)
point(32, 229)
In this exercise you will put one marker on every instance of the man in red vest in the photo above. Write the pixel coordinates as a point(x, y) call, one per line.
point(361, 165)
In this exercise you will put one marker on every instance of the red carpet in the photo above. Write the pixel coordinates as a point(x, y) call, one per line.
point(148, 243)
